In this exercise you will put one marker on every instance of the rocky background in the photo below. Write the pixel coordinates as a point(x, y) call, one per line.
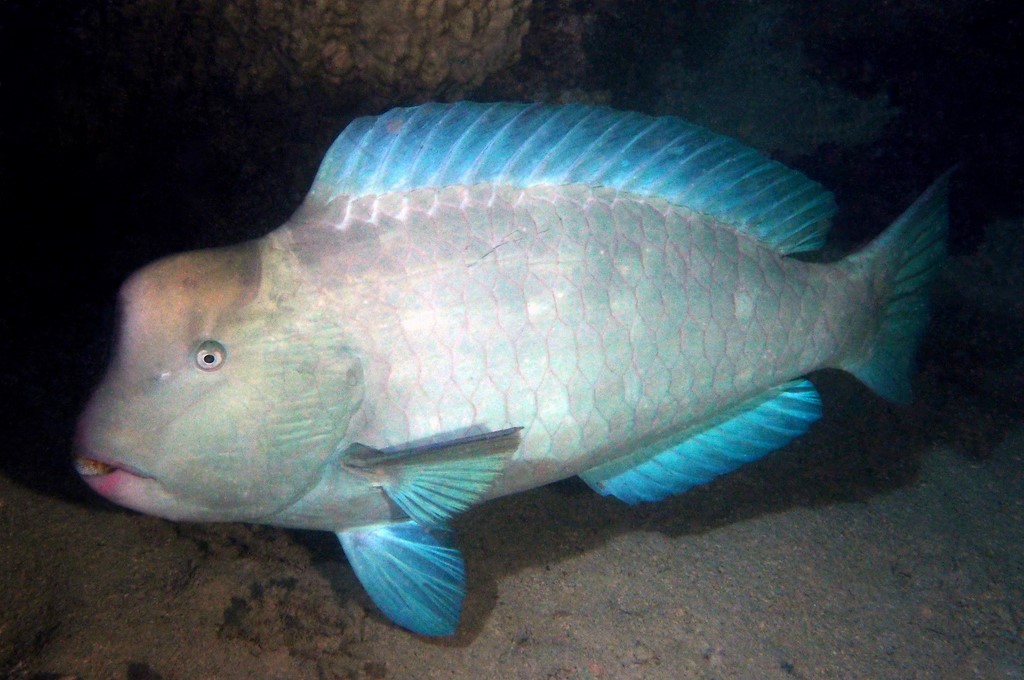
point(886, 544)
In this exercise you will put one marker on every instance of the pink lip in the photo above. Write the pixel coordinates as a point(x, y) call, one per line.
point(105, 477)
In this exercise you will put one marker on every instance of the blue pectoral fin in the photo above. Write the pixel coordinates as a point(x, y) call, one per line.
point(412, 573)
point(671, 466)
point(433, 482)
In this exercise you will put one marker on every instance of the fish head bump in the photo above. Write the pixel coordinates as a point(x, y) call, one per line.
point(226, 395)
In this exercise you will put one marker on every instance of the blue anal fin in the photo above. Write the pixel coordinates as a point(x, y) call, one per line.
point(412, 574)
point(671, 466)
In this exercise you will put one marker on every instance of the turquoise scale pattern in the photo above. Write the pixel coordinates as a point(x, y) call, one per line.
point(584, 342)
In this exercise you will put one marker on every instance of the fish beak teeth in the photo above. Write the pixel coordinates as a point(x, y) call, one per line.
point(87, 467)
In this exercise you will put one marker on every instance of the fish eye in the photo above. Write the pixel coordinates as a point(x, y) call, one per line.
point(210, 355)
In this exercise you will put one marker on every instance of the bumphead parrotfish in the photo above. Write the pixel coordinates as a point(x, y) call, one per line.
point(477, 299)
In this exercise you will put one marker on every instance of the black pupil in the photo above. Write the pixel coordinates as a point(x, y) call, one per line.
point(209, 358)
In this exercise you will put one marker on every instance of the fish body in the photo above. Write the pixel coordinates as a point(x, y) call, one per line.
point(480, 299)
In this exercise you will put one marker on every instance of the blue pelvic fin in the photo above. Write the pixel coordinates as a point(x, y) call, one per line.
point(435, 481)
point(412, 573)
point(673, 465)
point(523, 145)
point(902, 262)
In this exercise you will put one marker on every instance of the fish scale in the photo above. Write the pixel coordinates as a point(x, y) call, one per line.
point(553, 266)
point(477, 299)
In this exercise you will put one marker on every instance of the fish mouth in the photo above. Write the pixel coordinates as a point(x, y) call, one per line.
point(117, 481)
point(88, 467)
point(93, 467)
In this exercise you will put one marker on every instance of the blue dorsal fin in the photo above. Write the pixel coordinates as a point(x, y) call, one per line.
point(671, 467)
point(412, 573)
point(522, 145)
point(434, 481)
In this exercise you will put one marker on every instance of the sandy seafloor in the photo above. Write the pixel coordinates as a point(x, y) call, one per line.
point(887, 543)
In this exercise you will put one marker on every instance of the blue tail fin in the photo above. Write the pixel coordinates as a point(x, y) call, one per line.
point(902, 262)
